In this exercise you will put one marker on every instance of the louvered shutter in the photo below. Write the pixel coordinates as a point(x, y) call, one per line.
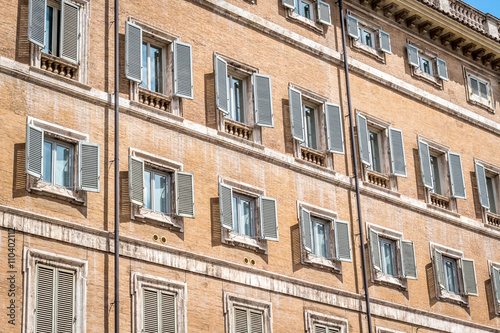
point(34, 151)
point(221, 87)
point(36, 22)
point(150, 312)
point(226, 206)
point(474, 86)
point(334, 128)
point(184, 194)
point(439, 269)
point(70, 31)
point(352, 26)
point(495, 276)
point(296, 114)
point(375, 249)
point(240, 321)
point(320, 329)
point(289, 3)
point(168, 314)
point(456, 176)
point(385, 41)
point(469, 277)
point(305, 220)
point(324, 15)
point(398, 160)
point(425, 164)
point(133, 52)
point(65, 301)
point(263, 100)
point(136, 180)
point(412, 55)
point(269, 218)
point(342, 241)
point(409, 262)
point(183, 70)
point(256, 322)
point(363, 139)
point(89, 166)
point(481, 186)
point(442, 70)
point(44, 299)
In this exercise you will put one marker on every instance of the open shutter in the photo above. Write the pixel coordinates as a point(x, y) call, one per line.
point(89, 170)
point(136, 180)
point(65, 300)
point(412, 55)
point(288, 3)
point(296, 114)
point(70, 33)
point(324, 15)
point(168, 314)
point(495, 277)
point(36, 22)
point(352, 26)
point(363, 139)
point(34, 151)
point(221, 99)
point(409, 262)
point(442, 70)
point(375, 249)
point(439, 269)
point(425, 164)
point(384, 41)
point(44, 299)
point(398, 161)
point(469, 277)
point(184, 194)
point(256, 322)
point(240, 321)
point(456, 176)
point(263, 99)
point(481, 186)
point(183, 70)
point(226, 206)
point(150, 312)
point(334, 128)
point(342, 241)
point(305, 220)
point(133, 52)
point(269, 218)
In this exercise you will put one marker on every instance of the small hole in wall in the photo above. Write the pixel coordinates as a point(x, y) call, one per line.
point(163, 239)
point(252, 262)
point(245, 260)
point(155, 238)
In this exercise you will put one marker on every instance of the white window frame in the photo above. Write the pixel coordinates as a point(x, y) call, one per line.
point(386, 330)
point(312, 6)
point(169, 190)
point(232, 74)
point(363, 32)
point(55, 25)
point(393, 244)
point(304, 21)
point(54, 143)
point(232, 300)
point(382, 133)
point(239, 214)
point(317, 114)
point(478, 100)
point(312, 318)
point(491, 171)
point(161, 45)
point(421, 59)
point(315, 221)
point(367, 24)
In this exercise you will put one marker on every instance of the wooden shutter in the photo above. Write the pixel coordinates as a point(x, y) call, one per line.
point(425, 164)
point(398, 160)
point(183, 70)
point(409, 262)
point(481, 186)
point(352, 26)
point(150, 312)
point(133, 52)
point(44, 299)
point(320, 329)
point(289, 3)
point(495, 277)
point(439, 270)
point(70, 31)
point(269, 218)
point(65, 288)
point(240, 321)
point(184, 194)
point(324, 15)
point(456, 176)
point(221, 87)
point(442, 70)
point(412, 55)
point(34, 151)
point(305, 220)
point(385, 41)
point(256, 322)
point(334, 128)
point(263, 100)
point(226, 206)
point(89, 166)
point(363, 139)
point(136, 180)
point(469, 277)
point(342, 241)
point(296, 114)
point(375, 249)
point(36, 22)
point(168, 318)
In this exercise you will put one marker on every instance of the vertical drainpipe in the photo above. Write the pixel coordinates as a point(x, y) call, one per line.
point(117, 171)
point(355, 164)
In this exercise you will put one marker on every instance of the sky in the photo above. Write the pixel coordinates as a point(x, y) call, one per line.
point(486, 6)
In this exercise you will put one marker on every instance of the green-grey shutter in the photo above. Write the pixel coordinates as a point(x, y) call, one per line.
point(221, 88)
point(469, 276)
point(34, 151)
point(240, 321)
point(288, 3)
point(481, 186)
point(296, 113)
point(438, 266)
point(136, 180)
point(342, 241)
point(44, 299)
point(168, 314)
point(398, 160)
point(263, 100)
point(89, 166)
point(425, 164)
point(184, 194)
point(70, 31)
point(183, 70)
point(474, 86)
point(334, 128)
point(133, 52)
point(305, 220)
point(320, 329)
point(352, 26)
point(150, 312)
point(269, 218)
point(374, 249)
point(226, 206)
point(385, 41)
point(442, 69)
point(363, 139)
point(495, 276)
point(256, 322)
point(409, 262)
point(36, 22)
point(65, 288)
point(412, 55)
point(324, 15)
point(456, 176)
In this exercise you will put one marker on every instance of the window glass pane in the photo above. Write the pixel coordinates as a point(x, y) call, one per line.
point(305, 9)
point(246, 218)
point(490, 184)
point(436, 177)
point(160, 194)
point(368, 38)
point(321, 238)
point(144, 83)
point(236, 215)
point(310, 127)
point(450, 274)
point(474, 86)
point(49, 30)
point(156, 69)
point(296, 9)
point(62, 166)
point(147, 185)
point(237, 86)
point(375, 152)
point(387, 252)
point(47, 161)
point(425, 66)
point(483, 90)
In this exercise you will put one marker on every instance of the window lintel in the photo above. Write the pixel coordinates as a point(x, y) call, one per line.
point(316, 211)
point(237, 65)
point(154, 32)
point(447, 251)
point(309, 94)
point(156, 162)
point(385, 232)
point(57, 131)
point(242, 188)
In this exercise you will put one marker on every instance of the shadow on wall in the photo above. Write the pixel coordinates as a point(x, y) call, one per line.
point(287, 127)
point(19, 172)
point(295, 246)
point(125, 205)
point(216, 225)
point(210, 107)
point(22, 43)
point(490, 298)
point(475, 195)
point(418, 177)
point(431, 284)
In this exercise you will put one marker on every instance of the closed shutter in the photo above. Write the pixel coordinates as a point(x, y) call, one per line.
point(374, 249)
point(305, 220)
point(324, 15)
point(65, 301)
point(456, 176)
point(398, 160)
point(442, 70)
point(342, 241)
point(495, 276)
point(352, 26)
point(296, 114)
point(44, 299)
point(168, 314)
point(263, 99)
point(184, 194)
point(334, 128)
point(70, 31)
point(412, 55)
point(469, 276)
point(36, 22)
point(385, 41)
point(221, 88)
point(34, 151)
point(474, 86)
point(240, 321)
point(481, 186)
point(363, 139)
point(269, 218)
point(288, 3)
point(439, 270)
point(425, 164)
point(89, 166)
point(320, 329)
point(226, 206)
point(150, 312)
point(256, 322)
point(409, 261)
point(133, 52)
point(183, 70)
point(136, 180)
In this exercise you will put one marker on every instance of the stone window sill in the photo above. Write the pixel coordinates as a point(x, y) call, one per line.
point(320, 262)
point(367, 50)
point(316, 27)
point(447, 296)
point(417, 73)
point(390, 280)
point(235, 239)
point(40, 187)
point(146, 215)
point(481, 102)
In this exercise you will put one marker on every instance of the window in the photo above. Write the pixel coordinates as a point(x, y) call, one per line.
point(375, 149)
point(388, 256)
point(248, 320)
point(317, 322)
point(363, 32)
point(479, 89)
point(436, 174)
point(366, 37)
point(318, 328)
point(450, 274)
point(488, 183)
point(152, 67)
point(58, 163)
point(304, 8)
point(53, 27)
point(310, 125)
point(246, 315)
point(492, 194)
point(320, 238)
point(311, 13)
point(236, 92)
point(244, 215)
point(157, 191)
point(426, 67)
point(494, 270)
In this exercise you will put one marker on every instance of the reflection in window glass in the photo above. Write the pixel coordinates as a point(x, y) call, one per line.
point(320, 238)
point(62, 166)
point(310, 127)
point(243, 215)
point(388, 256)
point(450, 272)
point(492, 195)
point(157, 188)
point(304, 8)
point(152, 71)
point(376, 164)
point(236, 89)
point(436, 177)
point(47, 162)
point(57, 163)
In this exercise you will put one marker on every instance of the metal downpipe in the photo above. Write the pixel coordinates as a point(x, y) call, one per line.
point(117, 171)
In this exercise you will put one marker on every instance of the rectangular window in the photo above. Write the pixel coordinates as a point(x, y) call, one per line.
point(248, 320)
point(479, 88)
point(492, 194)
point(450, 273)
point(58, 163)
point(366, 37)
point(304, 8)
point(53, 28)
point(436, 177)
point(310, 127)
point(425, 65)
point(388, 256)
point(157, 191)
point(236, 92)
point(159, 311)
point(152, 67)
point(243, 215)
point(375, 157)
point(320, 237)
